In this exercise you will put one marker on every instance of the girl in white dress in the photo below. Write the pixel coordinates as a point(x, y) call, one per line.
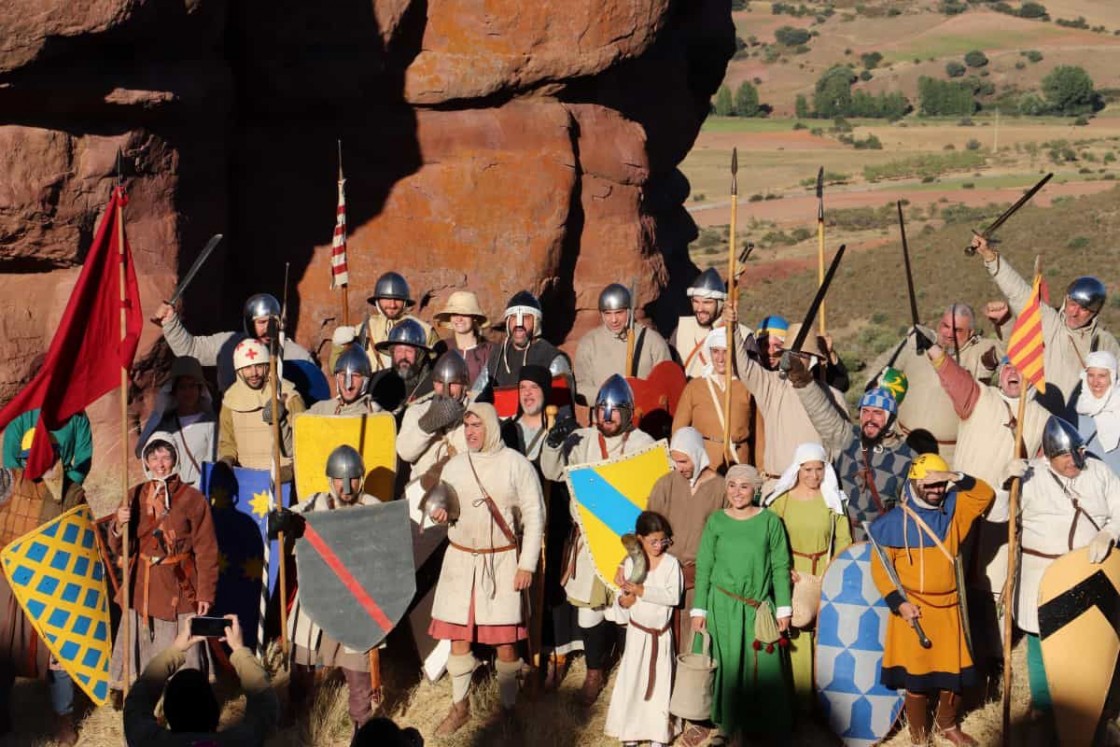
point(639, 709)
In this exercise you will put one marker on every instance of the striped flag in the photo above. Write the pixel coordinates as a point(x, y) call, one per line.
point(340, 273)
point(1025, 347)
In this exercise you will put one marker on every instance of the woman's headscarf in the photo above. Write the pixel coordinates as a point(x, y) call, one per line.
point(717, 338)
point(160, 440)
point(489, 417)
point(688, 441)
point(1105, 411)
point(834, 498)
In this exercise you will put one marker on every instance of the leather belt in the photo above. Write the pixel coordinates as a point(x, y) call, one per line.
point(754, 603)
point(482, 550)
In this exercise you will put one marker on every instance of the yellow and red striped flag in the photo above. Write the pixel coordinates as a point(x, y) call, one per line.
point(1025, 348)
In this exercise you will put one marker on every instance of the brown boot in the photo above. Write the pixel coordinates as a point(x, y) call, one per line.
point(917, 718)
point(593, 684)
point(557, 669)
point(455, 719)
point(946, 721)
point(64, 731)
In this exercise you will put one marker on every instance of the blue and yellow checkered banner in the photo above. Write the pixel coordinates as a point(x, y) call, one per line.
point(609, 496)
point(57, 577)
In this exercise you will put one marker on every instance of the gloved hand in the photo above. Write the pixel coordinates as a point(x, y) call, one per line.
point(1099, 546)
point(286, 521)
point(343, 335)
point(563, 428)
point(1014, 468)
point(921, 342)
point(990, 359)
point(793, 366)
point(266, 413)
point(443, 413)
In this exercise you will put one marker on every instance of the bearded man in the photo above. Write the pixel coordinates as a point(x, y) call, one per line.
point(391, 300)
point(523, 343)
point(707, 294)
point(410, 359)
point(602, 351)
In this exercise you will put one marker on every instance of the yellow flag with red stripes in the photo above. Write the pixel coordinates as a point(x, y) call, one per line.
point(1025, 348)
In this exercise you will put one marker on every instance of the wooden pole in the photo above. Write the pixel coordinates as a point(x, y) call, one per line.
point(820, 244)
point(732, 297)
point(536, 634)
point(277, 496)
point(126, 621)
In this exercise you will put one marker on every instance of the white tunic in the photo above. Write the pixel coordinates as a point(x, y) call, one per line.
point(602, 353)
point(631, 717)
point(1048, 513)
point(421, 449)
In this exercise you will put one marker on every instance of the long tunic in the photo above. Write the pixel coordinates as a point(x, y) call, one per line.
point(601, 353)
point(1052, 526)
point(748, 558)
point(632, 717)
point(930, 582)
point(586, 446)
point(701, 406)
point(75, 443)
point(244, 437)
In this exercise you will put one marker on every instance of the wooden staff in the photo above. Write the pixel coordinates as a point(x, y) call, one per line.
point(278, 489)
point(346, 287)
point(126, 622)
point(536, 637)
point(733, 298)
point(630, 369)
point(820, 243)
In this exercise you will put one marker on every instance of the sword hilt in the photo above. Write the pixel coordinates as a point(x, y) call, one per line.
point(922, 639)
point(992, 240)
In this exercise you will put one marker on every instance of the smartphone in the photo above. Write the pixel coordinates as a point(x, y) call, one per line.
point(210, 627)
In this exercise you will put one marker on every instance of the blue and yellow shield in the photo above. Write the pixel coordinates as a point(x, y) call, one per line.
point(59, 582)
point(608, 498)
point(316, 436)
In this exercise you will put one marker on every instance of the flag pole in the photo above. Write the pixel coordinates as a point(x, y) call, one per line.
point(346, 287)
point(126, 627)
point(733, 298)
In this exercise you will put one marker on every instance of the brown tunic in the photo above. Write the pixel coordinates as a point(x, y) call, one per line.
point(697, 408)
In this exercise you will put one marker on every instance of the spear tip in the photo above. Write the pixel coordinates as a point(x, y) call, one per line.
point(734, 161)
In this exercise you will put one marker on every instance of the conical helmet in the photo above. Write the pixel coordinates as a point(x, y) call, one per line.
point(1059, 437)
point(345, 463)
point(521, 303)
point(354, 362)
point(259, 306)
point(451, 368)
point(616, 393)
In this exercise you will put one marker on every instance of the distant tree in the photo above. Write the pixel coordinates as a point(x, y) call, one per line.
point(955, 69)
point(723, 107)
point(791, 36)
point(951, 7)
point(832, 95)
point(942, 98)
point(746, 101)
point(801, 106)
point(1069, 90)
point(865, 75)
point(976, 58)
point(1033, 10)
point(871, 60)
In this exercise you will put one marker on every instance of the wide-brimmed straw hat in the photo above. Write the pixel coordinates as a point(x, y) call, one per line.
point(461, 302)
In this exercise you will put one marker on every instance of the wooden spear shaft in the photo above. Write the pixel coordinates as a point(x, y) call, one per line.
point(126, 617)
point(278, 494)
point(733, 298)
point(536, 637)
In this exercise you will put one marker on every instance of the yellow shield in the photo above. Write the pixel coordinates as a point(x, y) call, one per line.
point(59, 582)
point(316, 436)
point(609, 496)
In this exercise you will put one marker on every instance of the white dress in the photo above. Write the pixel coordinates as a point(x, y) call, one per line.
point(632, 718)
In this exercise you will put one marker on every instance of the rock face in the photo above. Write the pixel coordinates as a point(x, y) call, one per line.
point(498, 146)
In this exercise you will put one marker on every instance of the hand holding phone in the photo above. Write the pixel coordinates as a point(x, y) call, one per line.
point(208, 627)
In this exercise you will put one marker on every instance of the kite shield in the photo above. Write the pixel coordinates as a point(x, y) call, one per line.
point(656, 397)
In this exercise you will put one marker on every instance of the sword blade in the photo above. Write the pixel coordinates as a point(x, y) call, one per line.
point(987, 232)
point(906, 262)
point(815, 306)
point(199, 261)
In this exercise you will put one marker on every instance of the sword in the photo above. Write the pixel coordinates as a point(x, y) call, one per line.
point(987, 232)
point(817, 300)
point(199, 261)
point(914, 319)
point(892, 574)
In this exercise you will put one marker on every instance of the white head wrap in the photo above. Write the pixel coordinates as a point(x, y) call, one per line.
point(688, 441)
point(717, 338)
point(1105, 411)
point(834, 498)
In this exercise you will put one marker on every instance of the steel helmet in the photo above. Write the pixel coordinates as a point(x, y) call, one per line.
point(451, 368)
point(521, 303)
point(708, 284)
point(391, 285)
point(615, 297)
point(1059, 437)
point(405, 332)
point(249, 352)
point(616, 393)
point(923, 464)
point(259, 306)
point(1087, 292)
point(354, 361)
point(345, 463)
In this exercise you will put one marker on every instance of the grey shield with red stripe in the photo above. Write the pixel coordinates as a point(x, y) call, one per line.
point(356, 573)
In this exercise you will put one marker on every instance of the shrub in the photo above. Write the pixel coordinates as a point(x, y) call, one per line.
point(871, 60)
point(791, 36)
point(976, 58)
point(1069, 91)
point(723, 106)
point(1020, 65)
point(972, 144)
point(865, 75)
point(1033, 10)
point(955, 69)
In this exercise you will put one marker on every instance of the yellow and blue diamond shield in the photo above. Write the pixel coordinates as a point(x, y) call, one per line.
point(609, 496)
point(59, 582)
point(316, 436)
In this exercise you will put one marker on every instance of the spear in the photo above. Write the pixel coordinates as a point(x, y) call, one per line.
point(820, 240)
point(732, 297)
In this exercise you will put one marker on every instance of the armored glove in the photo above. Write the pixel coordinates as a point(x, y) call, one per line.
point(266, 413)
point(288, 522)
point(1014, 468)
point(563, 428)
point(443, 413)
point(921, 342)
point(1099, 546)
point(794, 368)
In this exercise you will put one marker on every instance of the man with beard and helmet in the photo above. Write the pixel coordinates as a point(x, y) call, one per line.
point(25, 505)
point(390, 300)
point(872, 459)
point(432, 431)
point(1070, 333)
point(313, 648)
point(245, 424)
point(920, 538)
point(927, 412)
point(1070, 501)
point(409, 357)
point(612, 435)
point(173, 571)
point(352, 379)
point(523, 344)
point(217, 349)
point(707, 295)
point(602, 351)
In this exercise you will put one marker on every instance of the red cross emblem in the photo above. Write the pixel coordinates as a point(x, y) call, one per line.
point(250, 353)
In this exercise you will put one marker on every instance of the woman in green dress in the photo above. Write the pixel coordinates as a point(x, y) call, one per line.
point(810, 504)
point(743, 570)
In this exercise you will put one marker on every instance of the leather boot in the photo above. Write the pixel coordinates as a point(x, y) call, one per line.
point(557, 668)
point(593, 684)
point(359, 700)
point(917, 718)
point(946, 721)
point(455, 719)
point(64, 731)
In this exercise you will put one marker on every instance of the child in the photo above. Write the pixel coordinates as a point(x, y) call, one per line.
point(639, 709)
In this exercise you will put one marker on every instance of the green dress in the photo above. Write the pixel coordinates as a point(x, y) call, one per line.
point(812, 529)
point(748, 558)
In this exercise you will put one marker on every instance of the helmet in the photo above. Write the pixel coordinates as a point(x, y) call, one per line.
point(895, 382)
point(923, 464)
point(615, 392)
point(1088, 292)
point(522, 303)
point(708, 284)
point(260, 306)
point(354, 361)
point(881, 398)
point(451, 368)
point(615, 297)
point(391, 285)
point(249, 352)
point(1059, 437)
point(160, 440)
point(405, 332)
point(345, 463)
